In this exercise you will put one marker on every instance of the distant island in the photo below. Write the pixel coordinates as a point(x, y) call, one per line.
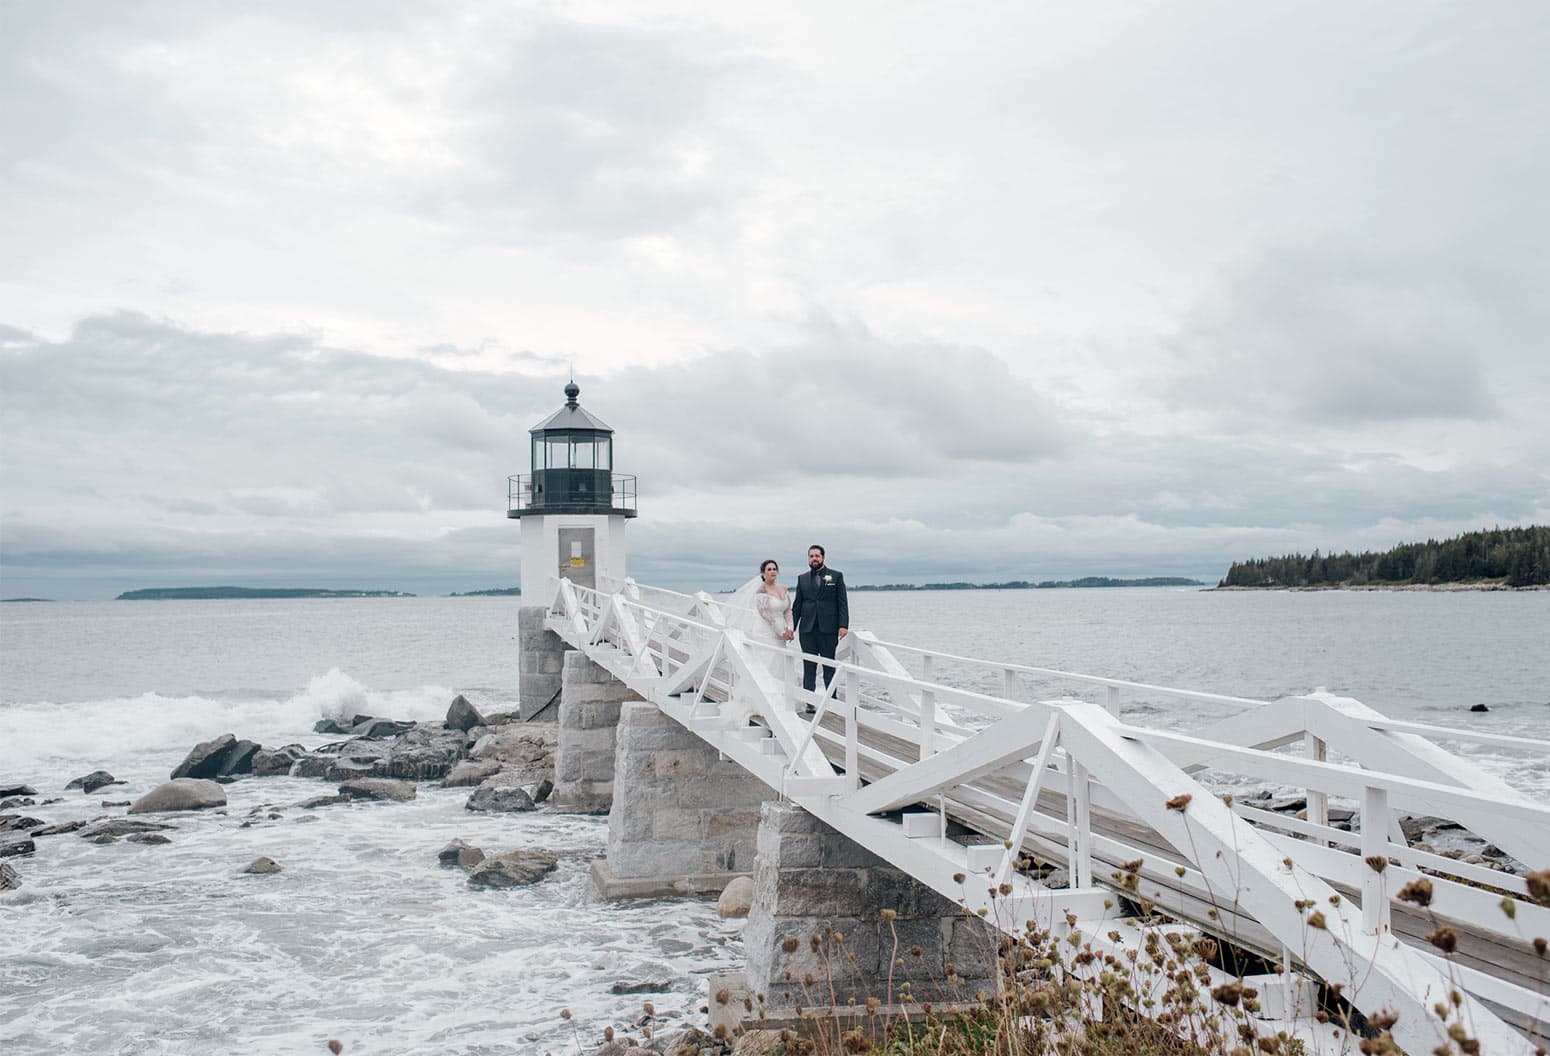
point(1501, 557)
point(1047, 584)
point(8, 600)
point(213, 593)
point(493, 592)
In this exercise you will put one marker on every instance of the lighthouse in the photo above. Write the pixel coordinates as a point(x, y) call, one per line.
point(572, 505)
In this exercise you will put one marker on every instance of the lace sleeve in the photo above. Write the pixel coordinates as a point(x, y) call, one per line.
point(761, 602)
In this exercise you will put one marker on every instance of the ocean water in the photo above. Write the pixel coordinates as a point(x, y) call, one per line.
point(127, 948)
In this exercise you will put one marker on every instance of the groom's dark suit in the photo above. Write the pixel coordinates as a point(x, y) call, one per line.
point(819, 609)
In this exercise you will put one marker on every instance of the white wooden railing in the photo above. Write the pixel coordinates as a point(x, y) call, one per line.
point(1067, 780)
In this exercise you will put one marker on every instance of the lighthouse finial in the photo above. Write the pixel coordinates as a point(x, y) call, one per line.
point(572, 390)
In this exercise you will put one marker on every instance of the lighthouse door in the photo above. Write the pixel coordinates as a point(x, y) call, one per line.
point(578, 557)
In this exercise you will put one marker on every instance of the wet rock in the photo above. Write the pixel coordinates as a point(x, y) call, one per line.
point(513, 869)
point(262, 866)
point(380, 729)
point(645, 986)
point(471, 772)
point(323, 801)
point(377, 788)
point(1478, 708)
point(527, 752)
point(617, 1047)
point(313, 765)
point(104, 838)
point(464, 716)
point(691, 1042)
point(93, 781)
point(14, 843)
point(17, 801)
point(20, 823)
point(123, 827)
point(736, 898)
point(276, 762)
point(333, 726)
point(460, 853)
point(115, 802)
point(498, 797)
point(204, 759)
point(1287, 804)
point(184, 793)
point(543, 790)
point(58, 830)
point(1425, 827)
point(10, 879)
point(13, 789)
point(239, 760)
point(148, 837)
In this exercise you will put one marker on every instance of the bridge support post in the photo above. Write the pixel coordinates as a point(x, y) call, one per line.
point(540, 654)
point(810, 880)
point(590, 699)
point(683, 821)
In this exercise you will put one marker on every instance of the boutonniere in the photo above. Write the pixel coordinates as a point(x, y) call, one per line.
point(828, 579)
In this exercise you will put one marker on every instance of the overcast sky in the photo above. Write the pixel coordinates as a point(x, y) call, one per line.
point(986, 292)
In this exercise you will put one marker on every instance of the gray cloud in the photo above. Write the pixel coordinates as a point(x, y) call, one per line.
point(1335, 338)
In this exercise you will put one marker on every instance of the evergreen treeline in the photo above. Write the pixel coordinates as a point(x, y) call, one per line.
point(1519, 557)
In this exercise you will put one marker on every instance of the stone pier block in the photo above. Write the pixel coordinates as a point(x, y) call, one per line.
point(589, 715)
point(811, 881)
point(540, 654)
point(684, 821)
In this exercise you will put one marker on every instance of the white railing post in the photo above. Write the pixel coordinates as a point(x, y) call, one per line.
point(1081, 871)
point(788, 680)
point(852, 744)
point(927, 723)
point(1009, 683)
point(1375, 840)
point(1111, 700)
point(1318, 802)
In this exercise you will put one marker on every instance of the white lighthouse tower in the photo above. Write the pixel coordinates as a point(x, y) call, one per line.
point(572, 505)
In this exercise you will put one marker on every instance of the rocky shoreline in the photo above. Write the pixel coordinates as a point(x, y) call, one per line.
point(508, 766)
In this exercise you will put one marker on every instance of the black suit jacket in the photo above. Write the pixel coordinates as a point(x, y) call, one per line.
point(818, 605)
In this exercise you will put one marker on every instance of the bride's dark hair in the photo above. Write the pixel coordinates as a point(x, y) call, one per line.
point(766, 563)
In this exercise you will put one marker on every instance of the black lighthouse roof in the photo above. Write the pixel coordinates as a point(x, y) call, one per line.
point(572, 416)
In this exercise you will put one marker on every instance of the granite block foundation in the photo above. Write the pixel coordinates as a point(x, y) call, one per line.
point(810, 881)
point(540, 661)
point(590, 699)
point(684, 821)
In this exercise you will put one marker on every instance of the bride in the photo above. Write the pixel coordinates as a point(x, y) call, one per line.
point(766, 606)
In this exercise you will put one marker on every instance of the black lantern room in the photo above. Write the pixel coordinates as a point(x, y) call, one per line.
point(572, 464)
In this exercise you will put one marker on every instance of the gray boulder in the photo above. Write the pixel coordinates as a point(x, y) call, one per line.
point(463, 716)
point(239, 760)
point(183, 793)
point(205, 759)
point(14, 843)
point(736, 898)
point(58, 830)
point(513, 869)
point(10, 879)
point(93, 781)
point(322, 801)
point(20, 823)
point(262, 866)
point(498, 797)
point(470, 772)
point(276, 762)
point(123, 827)
point(148, 837)
point(381, 729)
point(14, 789)
point(460, 853)
point(377, 788)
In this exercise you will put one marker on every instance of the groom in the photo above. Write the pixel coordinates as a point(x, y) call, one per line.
point(821, 614)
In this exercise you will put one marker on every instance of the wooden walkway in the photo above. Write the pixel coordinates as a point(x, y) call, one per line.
point(958, 786)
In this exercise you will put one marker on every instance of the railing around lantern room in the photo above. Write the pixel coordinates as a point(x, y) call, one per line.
point(570, 491)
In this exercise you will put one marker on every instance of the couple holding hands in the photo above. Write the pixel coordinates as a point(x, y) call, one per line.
point(817, 613)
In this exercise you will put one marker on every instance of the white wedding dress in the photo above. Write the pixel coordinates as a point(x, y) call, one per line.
point(765, 617)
